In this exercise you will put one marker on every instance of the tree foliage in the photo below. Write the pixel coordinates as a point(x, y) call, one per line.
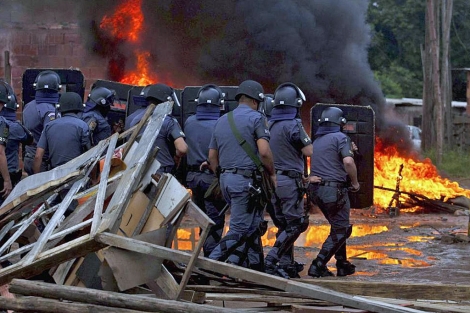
point(398, 30)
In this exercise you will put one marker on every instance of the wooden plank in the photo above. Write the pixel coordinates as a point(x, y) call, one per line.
point(47, 232)
point(71, 250)
point(251, 275)
point(242, 297)
point(411, 291)
point(170, 206)
point(28, 192)
point(328, 309)
point(60, 274)
point(36, 304)
point(150, 207)
point(103, 185)
point(137, 130)
point(192, 261)
point(167, 284)
point(110, 299)
point(5, 229)
point(196, 214)
point(131, 176)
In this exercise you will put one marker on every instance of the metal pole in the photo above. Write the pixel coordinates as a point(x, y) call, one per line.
point(7, 67)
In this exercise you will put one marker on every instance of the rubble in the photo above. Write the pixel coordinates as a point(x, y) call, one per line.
point(119, 239)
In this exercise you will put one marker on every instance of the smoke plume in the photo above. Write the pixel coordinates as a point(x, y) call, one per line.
point(319, 45)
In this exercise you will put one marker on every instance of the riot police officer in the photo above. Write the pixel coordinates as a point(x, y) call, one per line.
point(5, 97)
point(97, 107)
point(66, 137)
point(333, 161)
point(170, 138)
point(17, 134)
point(242, 243)
point(266, 106)
point(199, 129)
point(39, 112)
point(289, 144)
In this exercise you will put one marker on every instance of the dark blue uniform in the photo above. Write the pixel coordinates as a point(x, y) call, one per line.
point(4, 135)
point(65, 139)
point(36, 115)
point(169, 132)
point(17, 135)
point(331, 195)
point(236, 178)
point(134, 118)
point(198, 135)
point(288, 138)
point(101, 128)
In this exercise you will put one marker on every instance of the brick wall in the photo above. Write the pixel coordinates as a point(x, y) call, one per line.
point(44, 39)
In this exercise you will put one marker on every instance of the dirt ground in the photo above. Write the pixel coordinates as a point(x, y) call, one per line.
point(418, 248)
point(411, 247)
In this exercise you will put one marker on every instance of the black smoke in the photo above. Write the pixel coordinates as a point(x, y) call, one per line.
point(319, 45)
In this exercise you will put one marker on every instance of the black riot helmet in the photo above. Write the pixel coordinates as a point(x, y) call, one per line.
point(210, 94)
point(49, 80)
point(70, 102)
point(266, 106)
point(289, 94)
point(12, 104)
point(102, 96)
point(159, 92)
point(252, 89)
point(5, 92)
point(332, 115)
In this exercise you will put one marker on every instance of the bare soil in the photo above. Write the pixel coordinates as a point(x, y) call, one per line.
point(418, 248)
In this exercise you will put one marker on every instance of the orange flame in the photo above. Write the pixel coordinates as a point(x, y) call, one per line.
point(419, 177)
point(127, 21)
point(127, 24)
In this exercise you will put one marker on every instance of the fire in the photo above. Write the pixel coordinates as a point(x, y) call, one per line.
point(127, 21)
point(419, 177)
point(127, 24)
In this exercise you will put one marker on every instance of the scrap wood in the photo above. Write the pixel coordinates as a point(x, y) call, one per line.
point(36, 304)
point(250, 275)
point(326, 309)
point(408, 291)
point(440, 306)
point(415, 199)
point(134, 172)
point(30, 190)
point(108, 298)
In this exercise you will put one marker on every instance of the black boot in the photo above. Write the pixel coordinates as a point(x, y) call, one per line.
point(293, 269)
point(345, 268)
point(273, 269)
point(318, 269)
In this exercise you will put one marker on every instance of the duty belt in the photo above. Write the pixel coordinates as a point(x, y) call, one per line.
point(244, 172)
point(333, 184)
point(193, 168)
point(291, 174)
point(196, 168)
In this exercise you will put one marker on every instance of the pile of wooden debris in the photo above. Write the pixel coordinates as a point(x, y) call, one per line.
point(113, 252)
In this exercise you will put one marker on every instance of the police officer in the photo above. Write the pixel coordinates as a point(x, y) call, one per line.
point(199, 129)
point(5, 97)
point(289, 144)
point(242, 243)
point(17, 134)
point(333, 161)
point(170, 138)
point(39, 112)
point(66, 137)
point(97, 107)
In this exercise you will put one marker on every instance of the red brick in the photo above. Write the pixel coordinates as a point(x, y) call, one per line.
point(52, 50)
point(65, 50)
point(17, 71)
point(98, 72)
point(42, 49)
point(29, 50)
point(72, 38)
point(53, 38)
point(21, 37)
point(39, 37)
point(24, 60)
